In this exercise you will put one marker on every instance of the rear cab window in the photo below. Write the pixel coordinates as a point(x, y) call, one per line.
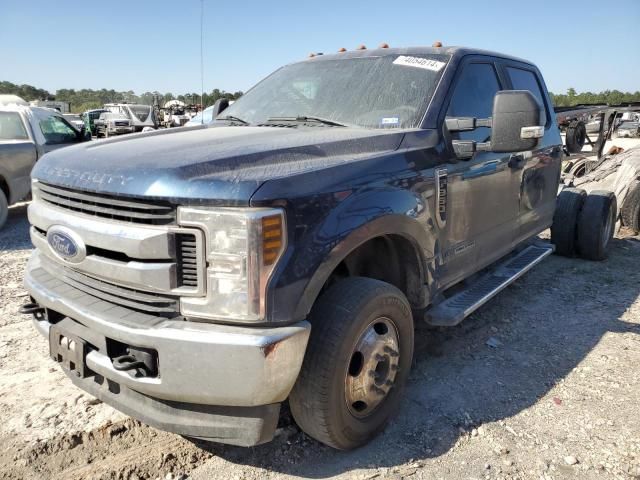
point(523, 79)
point(11, 127)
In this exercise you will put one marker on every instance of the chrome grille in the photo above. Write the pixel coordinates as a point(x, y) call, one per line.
point(107, 206)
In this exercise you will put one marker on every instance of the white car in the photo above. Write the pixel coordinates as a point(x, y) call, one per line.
point(109, 124)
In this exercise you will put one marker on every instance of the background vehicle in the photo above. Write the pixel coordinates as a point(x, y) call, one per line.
point(209, 114)
point(62, 107)
point(109, 124)
point(203, 117)
point(174, 113)
point(27, 133)
point(90, 116)
point(140, 116)
point(74, 120)
point(7, 99)
point(204, 276)
point(628, 130)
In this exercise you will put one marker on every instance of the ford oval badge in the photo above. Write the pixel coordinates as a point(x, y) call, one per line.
point(66, 244)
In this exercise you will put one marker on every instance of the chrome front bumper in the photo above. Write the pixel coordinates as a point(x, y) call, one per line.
point(199, 363)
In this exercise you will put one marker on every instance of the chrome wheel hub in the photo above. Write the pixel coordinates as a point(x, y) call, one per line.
point(372, 368)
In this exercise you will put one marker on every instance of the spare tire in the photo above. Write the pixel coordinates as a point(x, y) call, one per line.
point(563, 230)
point(630, 210)
point(596, 224)
point(575, 137)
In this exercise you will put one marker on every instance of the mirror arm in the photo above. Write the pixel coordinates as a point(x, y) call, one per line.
point(464, 149)
point(465, 124)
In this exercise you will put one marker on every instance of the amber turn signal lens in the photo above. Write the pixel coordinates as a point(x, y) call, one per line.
point(271, 238)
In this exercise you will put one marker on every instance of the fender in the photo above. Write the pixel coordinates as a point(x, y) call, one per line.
point(358, 219)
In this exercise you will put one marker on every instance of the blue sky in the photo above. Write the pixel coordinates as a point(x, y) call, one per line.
point(145, 45)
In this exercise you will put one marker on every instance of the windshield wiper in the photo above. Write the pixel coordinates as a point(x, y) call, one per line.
point(303, 118)
point(231, 118)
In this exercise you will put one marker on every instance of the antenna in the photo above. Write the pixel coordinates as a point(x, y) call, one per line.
point(201, 61)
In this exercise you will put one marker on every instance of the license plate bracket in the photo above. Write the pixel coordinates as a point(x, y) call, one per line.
point(69, 351)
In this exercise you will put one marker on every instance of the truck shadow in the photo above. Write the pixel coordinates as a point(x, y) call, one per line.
point(546, 324)
point(15, 233)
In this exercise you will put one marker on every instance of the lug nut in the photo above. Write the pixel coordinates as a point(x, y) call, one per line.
point(391, 351)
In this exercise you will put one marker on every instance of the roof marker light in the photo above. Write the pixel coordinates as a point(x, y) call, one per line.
point(342, 49)
point(361, 47)
point(437, 44)
point(384, 45)
point(311, 55)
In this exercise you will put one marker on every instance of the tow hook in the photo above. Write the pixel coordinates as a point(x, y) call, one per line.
point(32, 308)
point(139, 362)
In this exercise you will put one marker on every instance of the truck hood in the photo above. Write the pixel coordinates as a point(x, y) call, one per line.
point(215, 165)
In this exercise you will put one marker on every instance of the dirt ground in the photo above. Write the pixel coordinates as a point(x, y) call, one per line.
point(557, 395)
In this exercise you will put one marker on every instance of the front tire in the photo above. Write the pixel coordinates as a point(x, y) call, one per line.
point(357, 363)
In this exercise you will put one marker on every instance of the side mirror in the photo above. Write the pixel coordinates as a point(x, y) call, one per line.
point(517, 122)
point(85, 134)
point(220, 105)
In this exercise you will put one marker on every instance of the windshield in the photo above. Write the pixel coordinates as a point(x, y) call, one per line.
point(390, 91)
point(11, 127)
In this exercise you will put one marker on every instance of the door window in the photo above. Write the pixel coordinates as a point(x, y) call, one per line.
point(11, 127)
point(57, 131)
point(473, 97)
point(526, 80)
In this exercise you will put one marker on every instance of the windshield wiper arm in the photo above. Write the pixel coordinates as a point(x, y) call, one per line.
point(304, 118)
point(231, 118)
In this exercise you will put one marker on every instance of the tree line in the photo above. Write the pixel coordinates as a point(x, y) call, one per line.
point(87, 99)
point(610, 97)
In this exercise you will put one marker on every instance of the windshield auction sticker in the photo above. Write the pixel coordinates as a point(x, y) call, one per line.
point(433, 65)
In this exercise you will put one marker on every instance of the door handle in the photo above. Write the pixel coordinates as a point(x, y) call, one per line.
point(517, 161)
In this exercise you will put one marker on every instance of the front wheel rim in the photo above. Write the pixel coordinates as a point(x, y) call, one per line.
point(373, 367)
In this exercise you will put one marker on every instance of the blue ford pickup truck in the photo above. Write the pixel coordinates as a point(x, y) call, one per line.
point(198, 278)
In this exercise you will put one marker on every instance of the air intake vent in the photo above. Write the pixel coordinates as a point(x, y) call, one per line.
point(187, 260)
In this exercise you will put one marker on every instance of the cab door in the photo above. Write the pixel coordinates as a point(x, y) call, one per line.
point(482, 203)
point(539, 173)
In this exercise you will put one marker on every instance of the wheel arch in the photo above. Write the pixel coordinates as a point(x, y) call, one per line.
point(4, 187)
point(408, 242)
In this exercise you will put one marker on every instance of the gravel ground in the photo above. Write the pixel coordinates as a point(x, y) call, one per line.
point(541, 383)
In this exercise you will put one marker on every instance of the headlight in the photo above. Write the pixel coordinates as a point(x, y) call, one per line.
point(243, 246)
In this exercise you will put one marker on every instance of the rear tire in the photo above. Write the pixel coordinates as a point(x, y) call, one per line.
point(565, 220)
point(357, 363)
point(4, 209)
point(576, 136)
point(630, 210)
point(596, 224)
